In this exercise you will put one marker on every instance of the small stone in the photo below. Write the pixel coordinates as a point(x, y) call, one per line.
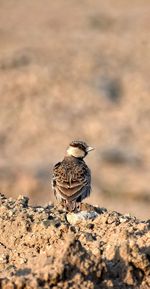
point(72, 229)
point(73, 218)
point(23, 260)
point(39, 209)
point(90, 226)
point(50, 217)
point(22, 200)
point(11, 267)
point(100, 210)
point(55, 223)
point(4, 258)
point(2, 196)
point(10, 213)
point(47, 223)
point(122, 219)
point(90, 237)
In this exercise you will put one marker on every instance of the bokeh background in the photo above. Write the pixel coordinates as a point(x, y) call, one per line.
point(76, 69)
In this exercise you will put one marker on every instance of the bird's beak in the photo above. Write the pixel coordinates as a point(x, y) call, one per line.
point(89, 149)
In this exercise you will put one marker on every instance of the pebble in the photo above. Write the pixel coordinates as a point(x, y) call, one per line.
point(4, 259)
point(73, 218)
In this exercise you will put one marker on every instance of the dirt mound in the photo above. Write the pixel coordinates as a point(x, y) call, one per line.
point(76, 70)
point(45, 247)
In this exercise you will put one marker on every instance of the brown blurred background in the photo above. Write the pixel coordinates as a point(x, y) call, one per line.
point(76, 69)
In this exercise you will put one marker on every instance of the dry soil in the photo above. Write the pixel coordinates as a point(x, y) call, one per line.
point(47, 247)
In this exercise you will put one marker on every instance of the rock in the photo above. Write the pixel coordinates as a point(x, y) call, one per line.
point(23, 201)
point(74, 218)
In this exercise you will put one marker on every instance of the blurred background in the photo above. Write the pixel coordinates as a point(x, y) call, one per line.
point(76, 69)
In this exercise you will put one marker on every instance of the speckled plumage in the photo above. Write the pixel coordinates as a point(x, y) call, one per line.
point(72, 178)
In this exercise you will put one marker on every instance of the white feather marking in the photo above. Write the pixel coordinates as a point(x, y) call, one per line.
point(75, 152)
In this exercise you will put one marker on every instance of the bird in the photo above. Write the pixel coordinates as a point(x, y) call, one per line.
point(71, 180)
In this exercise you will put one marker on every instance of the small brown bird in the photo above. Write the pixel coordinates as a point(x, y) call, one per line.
point(71, 181)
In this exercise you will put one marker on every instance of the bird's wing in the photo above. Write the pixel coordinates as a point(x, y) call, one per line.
point(71, 182)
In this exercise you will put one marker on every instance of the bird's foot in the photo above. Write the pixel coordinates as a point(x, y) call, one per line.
point(70, 206)
point(73, 206)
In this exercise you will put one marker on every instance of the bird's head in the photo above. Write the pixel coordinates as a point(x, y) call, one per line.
point(78, 149)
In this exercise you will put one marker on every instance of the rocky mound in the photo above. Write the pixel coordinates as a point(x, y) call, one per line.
point(76, 70)
point(46, 247)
